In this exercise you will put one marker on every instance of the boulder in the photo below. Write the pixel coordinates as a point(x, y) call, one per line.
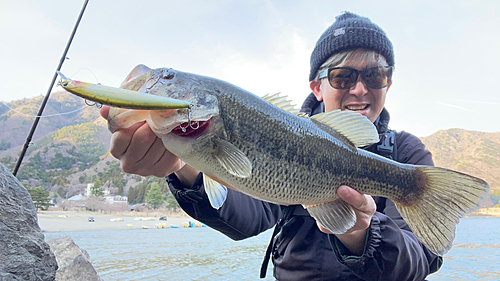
point(24, 255)
point(74, 263)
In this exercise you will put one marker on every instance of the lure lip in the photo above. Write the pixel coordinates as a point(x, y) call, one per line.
point(119, 97)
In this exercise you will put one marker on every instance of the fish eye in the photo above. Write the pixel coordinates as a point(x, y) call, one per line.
point(168, 76)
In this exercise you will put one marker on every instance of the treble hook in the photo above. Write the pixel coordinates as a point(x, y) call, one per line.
point(189, 123)
point(197, 125)
point(96, 104)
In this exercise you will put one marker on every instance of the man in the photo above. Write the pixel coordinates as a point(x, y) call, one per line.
point(351, 69)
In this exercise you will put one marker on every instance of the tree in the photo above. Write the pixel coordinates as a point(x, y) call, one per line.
point(40, 197)
point(120, 190)
point(172, 204)
point(154, 198)
point(97, 189)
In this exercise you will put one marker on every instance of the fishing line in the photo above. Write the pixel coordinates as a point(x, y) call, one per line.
point(88, 103)
point(95, 77)
point(42, 116)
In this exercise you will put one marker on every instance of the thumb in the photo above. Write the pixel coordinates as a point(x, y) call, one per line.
point(351, 196)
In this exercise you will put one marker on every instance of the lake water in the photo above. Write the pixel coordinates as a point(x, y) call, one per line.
point(204, 254)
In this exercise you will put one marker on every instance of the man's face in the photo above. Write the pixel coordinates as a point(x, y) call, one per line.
point(359, 97)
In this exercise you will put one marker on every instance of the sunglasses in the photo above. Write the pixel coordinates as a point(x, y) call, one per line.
point(344, 77)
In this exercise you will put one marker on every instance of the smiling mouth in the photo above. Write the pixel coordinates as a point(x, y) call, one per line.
point(193, 129)
point(357, 107)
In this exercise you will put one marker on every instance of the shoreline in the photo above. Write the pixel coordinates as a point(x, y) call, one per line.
point(74, 221)
point(71, 221)
point(485, 212)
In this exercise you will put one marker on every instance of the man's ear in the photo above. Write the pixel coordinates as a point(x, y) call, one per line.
point(316, 88)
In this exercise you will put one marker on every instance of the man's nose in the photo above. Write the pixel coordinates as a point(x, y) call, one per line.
point(359, 88)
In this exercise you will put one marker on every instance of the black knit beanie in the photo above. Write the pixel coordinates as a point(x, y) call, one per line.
point(350, 31)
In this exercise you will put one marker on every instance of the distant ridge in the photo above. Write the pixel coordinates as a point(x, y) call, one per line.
point(470, 152)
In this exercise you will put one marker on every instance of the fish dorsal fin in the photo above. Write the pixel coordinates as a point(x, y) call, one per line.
point(232, 159)
point(283, 103)
point(216, 192)
point(354, 126)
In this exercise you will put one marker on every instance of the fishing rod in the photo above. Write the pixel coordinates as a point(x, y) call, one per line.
point(46, 98)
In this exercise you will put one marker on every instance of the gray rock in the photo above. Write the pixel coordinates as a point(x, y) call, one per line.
point(74, 263)
point(24, 255)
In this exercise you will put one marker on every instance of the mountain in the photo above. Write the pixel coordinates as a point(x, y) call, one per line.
point(62, 109)
point(71, 149)
point(470, 152)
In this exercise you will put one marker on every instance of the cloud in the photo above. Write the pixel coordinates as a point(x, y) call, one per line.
point(454, 106)
point(481, 102)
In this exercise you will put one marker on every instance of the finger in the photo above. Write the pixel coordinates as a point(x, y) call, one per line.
point(351, 196)
point(121, 140)
point(167, 164)
point(139, 143)
point(104, 111)
point(149, 159)
point(322, 229)
point(361, 202)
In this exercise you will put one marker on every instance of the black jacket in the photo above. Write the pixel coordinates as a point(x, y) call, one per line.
point(300, 251)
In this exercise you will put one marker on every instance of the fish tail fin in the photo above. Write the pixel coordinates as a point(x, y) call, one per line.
point(447, 197)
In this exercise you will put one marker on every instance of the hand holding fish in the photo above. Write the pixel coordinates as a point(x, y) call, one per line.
point(140, 151)
point(364, 207)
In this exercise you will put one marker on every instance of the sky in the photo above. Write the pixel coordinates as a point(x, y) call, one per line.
point(447, 52)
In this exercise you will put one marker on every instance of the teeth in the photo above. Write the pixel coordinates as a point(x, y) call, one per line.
point(354, 107)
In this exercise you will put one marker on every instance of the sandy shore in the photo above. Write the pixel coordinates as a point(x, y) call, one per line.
point(66, 221)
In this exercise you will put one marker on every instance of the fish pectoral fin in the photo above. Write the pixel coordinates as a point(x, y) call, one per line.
point(354, 126)
point(232, 159)
point(216, 192)
point(136, 78)
point(336, 216)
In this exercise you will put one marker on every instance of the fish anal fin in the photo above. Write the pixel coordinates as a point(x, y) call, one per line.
point(232, 159)
point(352, 125)
point(336, 216)
point(216, 192)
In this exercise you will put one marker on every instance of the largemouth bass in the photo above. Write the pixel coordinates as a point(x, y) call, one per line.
point(262, 147)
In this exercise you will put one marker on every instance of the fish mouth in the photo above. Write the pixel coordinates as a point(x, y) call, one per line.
point(193, 129)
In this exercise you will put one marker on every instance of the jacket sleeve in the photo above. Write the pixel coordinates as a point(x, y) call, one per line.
point(392, 251)
point(239, 217)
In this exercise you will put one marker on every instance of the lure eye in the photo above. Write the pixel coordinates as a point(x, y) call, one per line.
point(168, 76)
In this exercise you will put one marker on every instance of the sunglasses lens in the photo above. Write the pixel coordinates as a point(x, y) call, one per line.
point(377, 77)
point(342, 78)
